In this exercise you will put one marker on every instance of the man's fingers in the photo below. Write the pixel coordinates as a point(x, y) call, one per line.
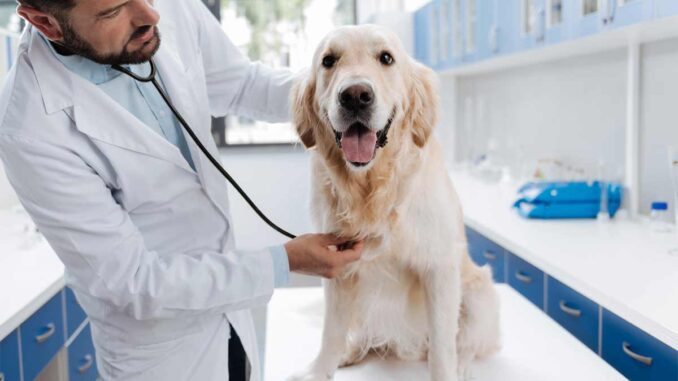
point(353, 253)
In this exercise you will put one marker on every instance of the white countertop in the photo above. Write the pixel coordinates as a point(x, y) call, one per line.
point(535, 348)
point(30, 273)
point(622, 265)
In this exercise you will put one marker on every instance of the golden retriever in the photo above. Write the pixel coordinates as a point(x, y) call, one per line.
point(368, 112)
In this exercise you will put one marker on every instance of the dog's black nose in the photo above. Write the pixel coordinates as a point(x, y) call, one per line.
point(356, 97)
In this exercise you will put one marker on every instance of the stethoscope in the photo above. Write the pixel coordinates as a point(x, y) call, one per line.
point(152, 78)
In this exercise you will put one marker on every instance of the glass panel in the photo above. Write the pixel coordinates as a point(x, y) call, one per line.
point(471, 21)
point(529, 16)
point(589, 7)
point(456, 28)
point(555, 10)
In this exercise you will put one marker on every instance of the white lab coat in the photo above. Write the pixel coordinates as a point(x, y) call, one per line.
point(146, 241)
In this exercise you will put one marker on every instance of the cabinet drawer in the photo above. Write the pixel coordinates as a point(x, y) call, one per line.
point(483, 251)
point(81, 358)
point(574, 312)
point(526, 279)
point(74, 313)
point(9, 358)
point(42, 335)
point(634, 353)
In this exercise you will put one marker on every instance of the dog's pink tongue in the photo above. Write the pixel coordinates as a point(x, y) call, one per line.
point(358, 144)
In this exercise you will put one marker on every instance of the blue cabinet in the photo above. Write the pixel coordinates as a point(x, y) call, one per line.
point(483, 251)
point(526, 279)
point(634, 353)
point(627, 12)
point(574, 312)
point(508, 25)
point(422, 36)
point(557, 21)
point(666, 8)
point(42, 335)
point(81, 358)
point(9, 358)
point(75, 316)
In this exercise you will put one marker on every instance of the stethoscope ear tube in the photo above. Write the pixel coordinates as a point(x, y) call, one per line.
point(152, 78)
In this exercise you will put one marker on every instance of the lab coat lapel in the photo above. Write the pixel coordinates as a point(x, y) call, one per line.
point(103, 119)
point(177, 85)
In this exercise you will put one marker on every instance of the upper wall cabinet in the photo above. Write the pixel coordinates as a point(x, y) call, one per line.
point(667, 8)
point(452, 33)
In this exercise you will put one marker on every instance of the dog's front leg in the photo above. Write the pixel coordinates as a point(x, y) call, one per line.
point(339, 303)
point(442, 287)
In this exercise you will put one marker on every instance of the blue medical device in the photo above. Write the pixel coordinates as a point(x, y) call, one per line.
point(554, 200)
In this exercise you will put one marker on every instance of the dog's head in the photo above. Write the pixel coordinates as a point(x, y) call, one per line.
point(362, 94)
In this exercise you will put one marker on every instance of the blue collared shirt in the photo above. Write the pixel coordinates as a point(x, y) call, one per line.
point(144, 102)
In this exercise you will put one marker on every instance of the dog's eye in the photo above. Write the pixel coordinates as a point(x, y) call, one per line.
point(329, 61)
point(386, 58)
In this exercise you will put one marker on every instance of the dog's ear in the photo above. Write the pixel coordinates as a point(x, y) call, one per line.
point(423, 108)
point(304, 115)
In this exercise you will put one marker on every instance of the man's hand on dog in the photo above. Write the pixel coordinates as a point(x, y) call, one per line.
point(323, 255)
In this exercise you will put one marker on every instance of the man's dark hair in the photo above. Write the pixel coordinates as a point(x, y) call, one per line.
point(57, 8)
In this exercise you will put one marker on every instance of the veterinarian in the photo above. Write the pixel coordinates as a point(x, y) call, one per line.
point(136, 213)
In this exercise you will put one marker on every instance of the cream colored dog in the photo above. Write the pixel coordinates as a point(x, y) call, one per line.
point(368, 111)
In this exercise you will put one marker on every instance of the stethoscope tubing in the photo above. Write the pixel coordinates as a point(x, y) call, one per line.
point(152, 78)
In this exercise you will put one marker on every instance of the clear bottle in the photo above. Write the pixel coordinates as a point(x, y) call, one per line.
point(659, 217)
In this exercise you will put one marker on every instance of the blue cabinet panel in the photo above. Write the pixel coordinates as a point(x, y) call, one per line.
point(628, 12)
point(573, 311)
point(483, 251)
point(74, 313)
point(526, 279)
point(42, 335)
point(667, 8)
point(9, 358)
point(81, 358)
point(509, 31)
point(557, 24)
point(587, 17)
point(421, 35)
point(634, 353)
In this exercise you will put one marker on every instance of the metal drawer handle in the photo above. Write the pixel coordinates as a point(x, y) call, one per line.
point(627, 349)
point(523, 277)
point(490, 255)
point(569, 310)
point(51, 328)
point(89, 361)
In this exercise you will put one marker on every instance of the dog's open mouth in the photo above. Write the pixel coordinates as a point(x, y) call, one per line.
point(359, 143)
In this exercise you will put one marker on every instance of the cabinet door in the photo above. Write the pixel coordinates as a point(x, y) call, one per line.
point(9, 358)
point(75, 316)
point(666, 8)
point(532, 24)
point(587, 17)
point(574, 312)
point(81, 358)
point(485, 28)
point(627, 12)
point(634, 353)
point(557, 21)
point(42, 335)
point(421, 36)
point(509, 32)
point(485, 252)
point(526, 279)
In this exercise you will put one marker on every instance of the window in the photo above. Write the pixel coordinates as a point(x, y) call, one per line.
point(279, 33)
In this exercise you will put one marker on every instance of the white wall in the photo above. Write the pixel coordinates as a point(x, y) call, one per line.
point(659, 120)
point(572, 109)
